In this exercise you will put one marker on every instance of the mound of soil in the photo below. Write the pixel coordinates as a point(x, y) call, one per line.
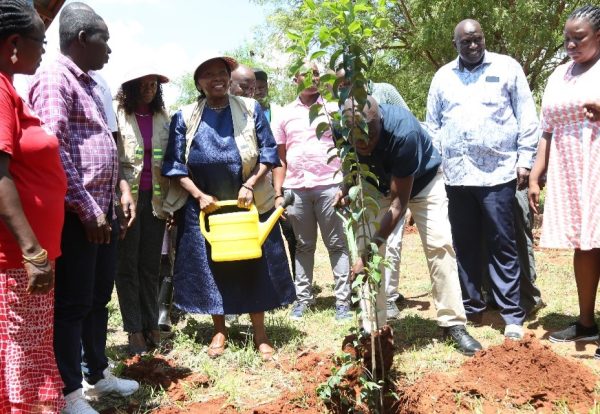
point(503, 377)
point(157, 371)
point(315, 369)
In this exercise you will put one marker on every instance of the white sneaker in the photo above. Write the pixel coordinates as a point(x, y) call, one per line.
point(514, 332)
point(76, 404)
point(110, 384)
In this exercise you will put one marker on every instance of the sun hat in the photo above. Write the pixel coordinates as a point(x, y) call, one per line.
point(141, 71)
point(229, 61)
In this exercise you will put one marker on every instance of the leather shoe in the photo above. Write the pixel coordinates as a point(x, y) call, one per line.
point(465, 343)
point(137, 343)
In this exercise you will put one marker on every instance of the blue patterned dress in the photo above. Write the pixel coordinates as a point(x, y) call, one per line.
point(215, 166)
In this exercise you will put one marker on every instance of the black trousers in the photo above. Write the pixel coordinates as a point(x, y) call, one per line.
point(85, 275)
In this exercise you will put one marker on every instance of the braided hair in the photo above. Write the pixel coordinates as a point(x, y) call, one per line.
point(128, 97)
point(16, 16)
point(589, 13)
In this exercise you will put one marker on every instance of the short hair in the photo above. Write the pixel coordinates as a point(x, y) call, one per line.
point(16, 17)
point(588, 12)
point(128, 97)
point(71, 24)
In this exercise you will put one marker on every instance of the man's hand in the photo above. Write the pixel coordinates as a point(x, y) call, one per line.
point(522, 178)
point(127, 205)
point(98, 230)
point(340, 199)
point(357, 268)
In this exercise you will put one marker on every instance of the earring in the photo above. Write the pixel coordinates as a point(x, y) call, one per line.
point(14, 57)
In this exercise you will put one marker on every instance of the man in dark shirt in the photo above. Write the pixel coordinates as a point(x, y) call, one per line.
point(400, 153)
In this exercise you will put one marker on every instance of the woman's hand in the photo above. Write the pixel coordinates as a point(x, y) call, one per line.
point(245, 196)
point(41, 278)
point(592, 110)
point(534, 196)
point(208, 203)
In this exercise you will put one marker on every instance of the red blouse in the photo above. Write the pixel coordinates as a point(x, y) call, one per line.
point(37, 172)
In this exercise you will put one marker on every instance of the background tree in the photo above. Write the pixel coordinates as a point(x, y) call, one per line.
point(418, 39)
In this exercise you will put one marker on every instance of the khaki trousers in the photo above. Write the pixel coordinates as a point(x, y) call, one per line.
point(429, 209)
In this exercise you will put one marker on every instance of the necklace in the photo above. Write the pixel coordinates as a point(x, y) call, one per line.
point(218, 108)
point(143, 115)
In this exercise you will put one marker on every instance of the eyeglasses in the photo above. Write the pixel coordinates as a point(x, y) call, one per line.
point(41, 41)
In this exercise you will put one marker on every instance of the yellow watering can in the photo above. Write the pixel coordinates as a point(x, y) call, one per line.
point(239, 235)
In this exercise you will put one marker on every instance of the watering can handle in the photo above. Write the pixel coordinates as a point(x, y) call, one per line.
point(222, 203)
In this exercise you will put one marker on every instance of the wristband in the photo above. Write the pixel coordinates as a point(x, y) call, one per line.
point(277, 196)
point(248, 188)
point(37, 260)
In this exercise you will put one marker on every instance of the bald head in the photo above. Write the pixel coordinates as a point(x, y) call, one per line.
point(469, 42)
point(243, 82)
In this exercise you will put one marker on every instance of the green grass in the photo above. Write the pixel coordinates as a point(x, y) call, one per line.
point(241, 376)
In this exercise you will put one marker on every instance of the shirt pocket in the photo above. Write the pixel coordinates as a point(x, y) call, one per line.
point(492, 91)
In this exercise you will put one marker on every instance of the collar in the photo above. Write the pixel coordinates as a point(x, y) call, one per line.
point(458, 66)
point(319, 100)
point(74, 69)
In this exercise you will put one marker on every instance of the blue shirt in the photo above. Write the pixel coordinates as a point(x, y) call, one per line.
point(484, 121)
point(404, 149)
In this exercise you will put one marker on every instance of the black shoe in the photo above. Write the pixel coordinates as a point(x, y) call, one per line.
point(465, 343)
point(575, 332)
point(597, 353)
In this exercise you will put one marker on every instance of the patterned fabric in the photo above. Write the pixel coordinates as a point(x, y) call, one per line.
point(65, 99)
point(214, 164)
point(384, 93)
point(483, 121)
point(306, 155)
point(29, 379)
point(572, 203)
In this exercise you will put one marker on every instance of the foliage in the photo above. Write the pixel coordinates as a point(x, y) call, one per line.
point(418, 39)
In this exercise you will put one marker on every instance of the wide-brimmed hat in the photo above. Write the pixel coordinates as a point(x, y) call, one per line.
point(229, 61)
point(140, 72)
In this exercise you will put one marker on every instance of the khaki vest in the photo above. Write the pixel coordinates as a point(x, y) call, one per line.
point(131, 156)
point(244, 131)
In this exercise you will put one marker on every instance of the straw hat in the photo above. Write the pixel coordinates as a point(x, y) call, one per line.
point(229, 61)
point(140, 72)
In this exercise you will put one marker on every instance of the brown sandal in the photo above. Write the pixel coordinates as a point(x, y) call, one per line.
point(266, 351)
point(216, 347)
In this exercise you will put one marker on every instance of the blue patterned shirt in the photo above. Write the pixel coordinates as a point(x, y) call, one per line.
point(484, 121)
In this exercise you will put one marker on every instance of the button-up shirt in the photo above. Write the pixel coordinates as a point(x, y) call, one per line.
point(306, 155)
point(63, 96)
point(483, 121)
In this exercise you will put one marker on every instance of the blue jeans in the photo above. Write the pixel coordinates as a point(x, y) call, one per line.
point(486, 213)
point(84, 282)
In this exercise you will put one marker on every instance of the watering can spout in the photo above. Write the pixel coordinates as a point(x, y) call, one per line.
point(266, 226)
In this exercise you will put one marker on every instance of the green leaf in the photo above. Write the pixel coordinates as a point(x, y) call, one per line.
point(314, 111)
point(310, 4)
point(321, 129)
point(353, 192)
point(354, 26)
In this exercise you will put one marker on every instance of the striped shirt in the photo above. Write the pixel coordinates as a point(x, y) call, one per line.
point(64, 98)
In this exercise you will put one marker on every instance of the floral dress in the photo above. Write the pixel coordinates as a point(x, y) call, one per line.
point(572, 203)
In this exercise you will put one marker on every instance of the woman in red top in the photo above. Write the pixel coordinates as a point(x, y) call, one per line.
point(32, 190)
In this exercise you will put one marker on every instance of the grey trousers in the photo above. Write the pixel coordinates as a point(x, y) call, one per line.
point(530, 293)
point(314, 207)
point(139, 268)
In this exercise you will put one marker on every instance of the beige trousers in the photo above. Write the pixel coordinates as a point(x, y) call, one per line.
point(429, 209)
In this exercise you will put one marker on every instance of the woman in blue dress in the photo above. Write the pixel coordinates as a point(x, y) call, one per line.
point(220, 148)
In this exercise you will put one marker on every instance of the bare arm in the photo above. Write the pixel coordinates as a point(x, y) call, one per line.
point(41, 276)
point(539, 171)
point(279, 173)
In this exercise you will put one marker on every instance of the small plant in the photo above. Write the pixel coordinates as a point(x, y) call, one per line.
point(341, 30)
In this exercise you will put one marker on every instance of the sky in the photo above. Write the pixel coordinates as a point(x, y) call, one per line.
point(171, 36)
